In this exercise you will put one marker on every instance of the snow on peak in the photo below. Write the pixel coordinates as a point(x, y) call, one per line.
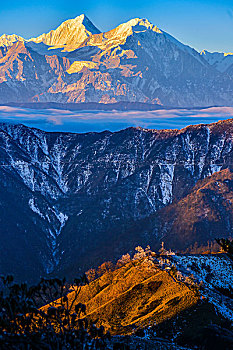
point(70, 33)
point(211, 55)
point(208, 54)
point(135, 25)
point(222, 61)
point(9, 40)
point(119, 35)
point(141, 24)
point(228, 54)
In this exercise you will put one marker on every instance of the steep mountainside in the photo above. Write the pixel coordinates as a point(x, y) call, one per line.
point(149, 298)
point(24, 73)
point(70, 201)
point(208, 208)
point(135, 62)
point(204, 214)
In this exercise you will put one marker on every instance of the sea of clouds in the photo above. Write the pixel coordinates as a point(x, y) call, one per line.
point(86, 121)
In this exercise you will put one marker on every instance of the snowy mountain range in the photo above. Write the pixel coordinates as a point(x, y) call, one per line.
point(134, 62)
point(221, 61)
point(71, 201)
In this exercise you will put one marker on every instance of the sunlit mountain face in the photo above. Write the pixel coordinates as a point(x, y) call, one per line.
point(134, 62)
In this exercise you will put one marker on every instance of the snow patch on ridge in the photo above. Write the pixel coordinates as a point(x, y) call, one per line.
point(215, 271)
point(166, 182)
point(34, 208)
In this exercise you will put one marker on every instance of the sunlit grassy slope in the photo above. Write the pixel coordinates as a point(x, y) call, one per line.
point(136, 295)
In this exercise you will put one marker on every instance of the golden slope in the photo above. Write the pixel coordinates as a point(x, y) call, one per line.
point(135, 295)
point(70, 33)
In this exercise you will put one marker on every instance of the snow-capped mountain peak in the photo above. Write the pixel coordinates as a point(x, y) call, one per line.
point(222, 61)
point(146, 31)
point(138, 25)
point(228, 54)
point(133, 26)
point(70, 33)
point(9, 39)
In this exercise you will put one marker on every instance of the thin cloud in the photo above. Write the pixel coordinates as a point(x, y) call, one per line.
point(84, 121)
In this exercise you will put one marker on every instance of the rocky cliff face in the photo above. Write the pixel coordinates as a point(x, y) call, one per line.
point(24, 72)
point(135, 62)
point(75, 200)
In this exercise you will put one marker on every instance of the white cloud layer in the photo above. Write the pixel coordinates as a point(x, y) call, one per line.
point(85, 121)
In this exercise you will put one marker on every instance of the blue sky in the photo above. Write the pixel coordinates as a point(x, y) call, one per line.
point(201, 24)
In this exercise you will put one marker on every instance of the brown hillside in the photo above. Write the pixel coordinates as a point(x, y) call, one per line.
point(204, 214)
point(136, 295)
